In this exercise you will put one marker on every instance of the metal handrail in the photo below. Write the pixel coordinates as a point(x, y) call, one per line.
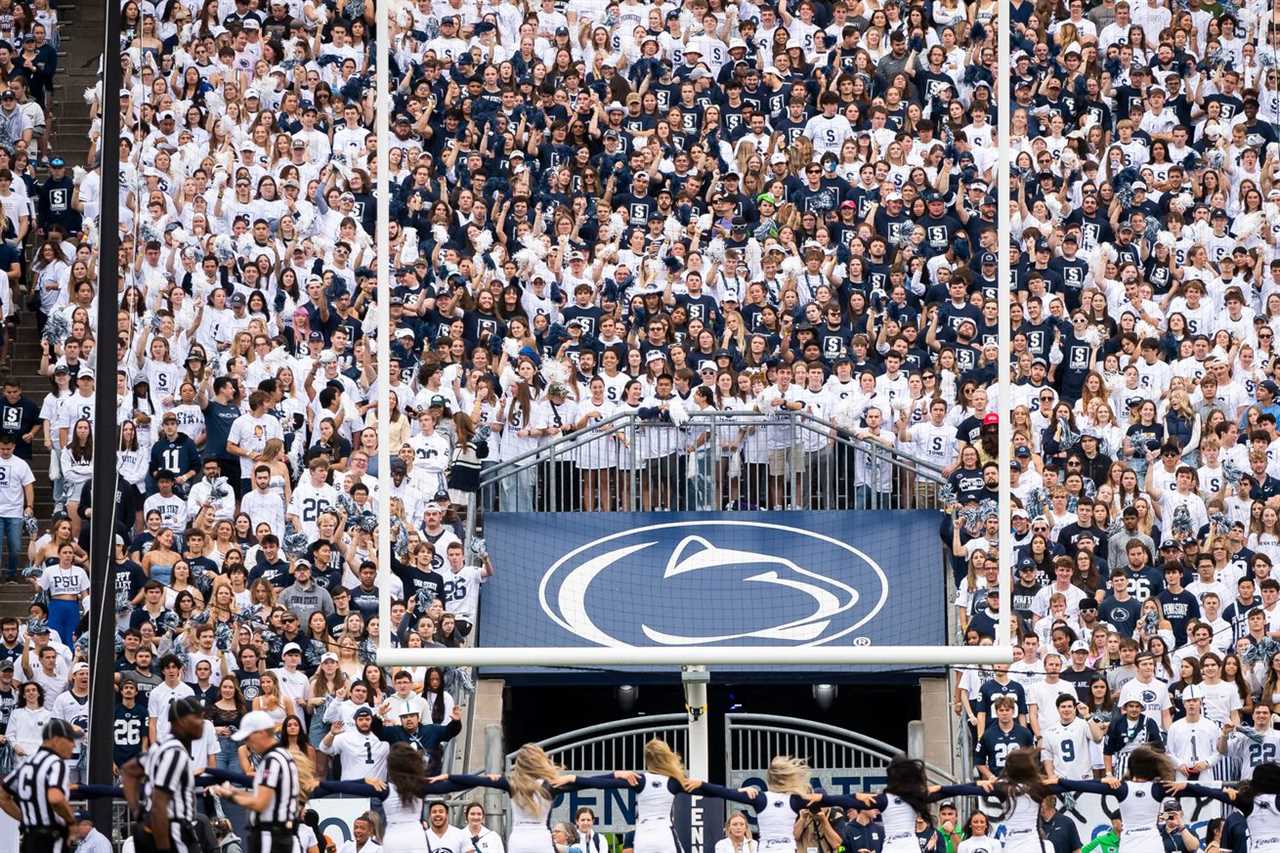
point(577, 439)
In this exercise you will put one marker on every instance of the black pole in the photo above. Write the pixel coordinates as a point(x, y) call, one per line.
point(102, 644)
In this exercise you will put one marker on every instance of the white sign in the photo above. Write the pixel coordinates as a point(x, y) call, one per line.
point(337, 815)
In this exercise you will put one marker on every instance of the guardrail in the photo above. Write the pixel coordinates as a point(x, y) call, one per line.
point(710, 460)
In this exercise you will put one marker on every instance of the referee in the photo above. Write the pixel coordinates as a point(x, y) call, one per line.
point(166, 781)
point(275, 803)
point(37, 793)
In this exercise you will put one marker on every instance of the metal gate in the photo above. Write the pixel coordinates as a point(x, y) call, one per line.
point(618, 745)
point(839, 758)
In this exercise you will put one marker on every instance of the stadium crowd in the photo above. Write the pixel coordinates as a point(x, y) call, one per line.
point(597, 208)
point(1146, 466)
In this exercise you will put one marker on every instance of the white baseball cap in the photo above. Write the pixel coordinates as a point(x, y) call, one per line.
point(253, 722)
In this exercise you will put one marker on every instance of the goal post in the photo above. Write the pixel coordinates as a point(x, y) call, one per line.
point(675, 655)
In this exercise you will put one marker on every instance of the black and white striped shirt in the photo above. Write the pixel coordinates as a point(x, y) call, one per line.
point(29, 786)
point(277, 772)
point(168, 767)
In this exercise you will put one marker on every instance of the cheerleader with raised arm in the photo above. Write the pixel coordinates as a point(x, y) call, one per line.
point(533, 783)
point(1141, 794)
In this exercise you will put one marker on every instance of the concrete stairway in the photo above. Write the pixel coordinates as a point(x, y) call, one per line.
point(80, 46)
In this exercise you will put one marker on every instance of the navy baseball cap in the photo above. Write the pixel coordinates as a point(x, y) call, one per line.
point(988, 258)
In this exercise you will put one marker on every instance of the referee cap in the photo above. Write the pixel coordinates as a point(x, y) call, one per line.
point(57, 728)
point(187, 705)
point(253, 722)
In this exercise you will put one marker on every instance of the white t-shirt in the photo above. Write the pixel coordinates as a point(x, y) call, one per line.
point(1220, 700)
point(162, 696)
point(56, 580)
point(1154, 697)
point(15, 476)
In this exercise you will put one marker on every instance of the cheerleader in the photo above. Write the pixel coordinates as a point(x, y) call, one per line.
point(777, 807)
point(1262, 790)
point(1141, 795)
point(407, 787)
point(905, 798)
point(1021, 788)
point(903, 803)
point(402, 795)
point(533, 784)
point(656, 789)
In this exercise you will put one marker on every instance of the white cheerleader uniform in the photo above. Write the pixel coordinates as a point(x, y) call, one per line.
point(530, 830)
point(776, 814)
point(654, 803)
point(1139, 805)
point(404, 832)
point(1263, 817)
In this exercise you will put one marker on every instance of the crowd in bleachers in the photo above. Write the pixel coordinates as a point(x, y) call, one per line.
point(1144, 404)
point(596, 208)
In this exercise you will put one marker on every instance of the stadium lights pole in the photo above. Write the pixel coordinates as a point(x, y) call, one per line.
point(102, 642)
point(381, 124)
point(1004, 287)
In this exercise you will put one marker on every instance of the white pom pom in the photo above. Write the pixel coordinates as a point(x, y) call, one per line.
point(77, 175)
point(555, 371)
point(483, 241)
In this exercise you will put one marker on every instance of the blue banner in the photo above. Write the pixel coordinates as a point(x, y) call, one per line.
point(742, 579)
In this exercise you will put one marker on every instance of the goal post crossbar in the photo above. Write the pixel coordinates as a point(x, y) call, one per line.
point(615, 656)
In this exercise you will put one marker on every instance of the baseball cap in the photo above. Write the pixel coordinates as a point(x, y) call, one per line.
point(252, 723)
point(1079, 646)
point(291, 647)
point(1171, 804)
point(362, 711)
point(990, 418)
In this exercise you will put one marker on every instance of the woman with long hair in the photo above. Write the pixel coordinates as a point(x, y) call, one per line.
point(533, 782)
point(737, 836)
point(656, 787)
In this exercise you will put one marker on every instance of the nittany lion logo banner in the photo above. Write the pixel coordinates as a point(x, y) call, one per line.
point(791, 579)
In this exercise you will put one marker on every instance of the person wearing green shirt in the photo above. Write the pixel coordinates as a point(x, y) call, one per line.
point(1107, 842)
